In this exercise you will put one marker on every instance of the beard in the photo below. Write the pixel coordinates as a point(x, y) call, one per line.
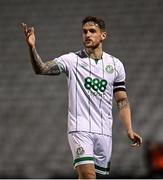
point(91, 44)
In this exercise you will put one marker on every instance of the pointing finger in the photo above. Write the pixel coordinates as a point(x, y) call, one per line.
point(31, 30)
point(24, 27)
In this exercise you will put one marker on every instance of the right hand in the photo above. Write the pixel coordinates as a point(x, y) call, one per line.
point(135, 138)
point(29, 35)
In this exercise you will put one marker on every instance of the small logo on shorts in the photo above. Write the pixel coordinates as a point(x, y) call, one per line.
point(80, 151)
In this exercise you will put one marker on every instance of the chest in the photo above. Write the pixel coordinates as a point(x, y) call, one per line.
point(97, 71)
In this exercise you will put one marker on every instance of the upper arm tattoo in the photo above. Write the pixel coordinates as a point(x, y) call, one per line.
point(122, 103)
point(50, 68)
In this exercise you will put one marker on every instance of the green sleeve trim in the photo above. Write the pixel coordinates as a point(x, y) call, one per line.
point(83, 159)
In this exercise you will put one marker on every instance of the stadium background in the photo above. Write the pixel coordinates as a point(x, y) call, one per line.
point(33, 109)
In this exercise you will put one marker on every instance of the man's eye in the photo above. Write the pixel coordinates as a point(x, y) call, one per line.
point(92, 30)
point(85, 31)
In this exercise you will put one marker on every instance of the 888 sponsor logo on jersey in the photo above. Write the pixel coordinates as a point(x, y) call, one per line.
point(95, 85)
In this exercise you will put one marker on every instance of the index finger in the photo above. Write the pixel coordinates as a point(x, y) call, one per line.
point(24, 27)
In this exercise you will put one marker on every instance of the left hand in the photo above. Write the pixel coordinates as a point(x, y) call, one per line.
point(135, 138)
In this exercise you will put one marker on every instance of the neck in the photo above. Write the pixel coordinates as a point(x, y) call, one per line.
point(94, 53)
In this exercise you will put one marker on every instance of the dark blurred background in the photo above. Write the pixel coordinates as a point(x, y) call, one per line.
point(33, 109)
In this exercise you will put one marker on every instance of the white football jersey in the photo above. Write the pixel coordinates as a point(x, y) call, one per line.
point(91, 85)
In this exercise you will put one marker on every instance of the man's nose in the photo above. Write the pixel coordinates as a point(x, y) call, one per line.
point(88, 34)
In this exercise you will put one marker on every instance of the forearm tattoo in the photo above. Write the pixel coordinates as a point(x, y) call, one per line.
point(122, 103)
point(47, 68)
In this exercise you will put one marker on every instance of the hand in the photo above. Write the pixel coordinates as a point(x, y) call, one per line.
point(135, 138)
point(29, 34)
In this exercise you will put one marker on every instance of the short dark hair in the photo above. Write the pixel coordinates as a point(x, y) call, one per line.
point(100, 22)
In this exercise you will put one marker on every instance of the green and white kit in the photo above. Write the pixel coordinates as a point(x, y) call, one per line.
point(91, 85)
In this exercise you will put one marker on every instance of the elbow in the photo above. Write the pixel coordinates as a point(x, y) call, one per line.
point(37, 72)
point(40, 72)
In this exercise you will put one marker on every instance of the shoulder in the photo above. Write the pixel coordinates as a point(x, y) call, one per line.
point(74, 55)
point(67, 59)
point(81, 54)
point(112, 58)
point(69, 55)
point(115, 61)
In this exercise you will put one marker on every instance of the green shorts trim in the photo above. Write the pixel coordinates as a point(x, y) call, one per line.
point(102, 170)
point(81, 160)
point(86, 160)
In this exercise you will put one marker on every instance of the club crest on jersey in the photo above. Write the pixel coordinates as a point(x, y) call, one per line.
point(80, 151)
point(109, 69)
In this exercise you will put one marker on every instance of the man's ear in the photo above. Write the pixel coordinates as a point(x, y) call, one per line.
point(104, 34)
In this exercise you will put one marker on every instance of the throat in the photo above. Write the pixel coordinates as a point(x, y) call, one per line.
point(96, 55)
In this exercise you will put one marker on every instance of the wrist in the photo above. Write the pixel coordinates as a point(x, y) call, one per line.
point(129, 130)
point(32, 46)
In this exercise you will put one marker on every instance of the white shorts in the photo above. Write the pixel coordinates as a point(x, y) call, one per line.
point(91, 148)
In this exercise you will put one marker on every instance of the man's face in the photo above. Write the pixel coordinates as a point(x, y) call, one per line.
point(92, 35)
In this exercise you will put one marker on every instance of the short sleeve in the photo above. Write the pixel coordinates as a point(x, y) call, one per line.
point(119, 83)
point(63, 63)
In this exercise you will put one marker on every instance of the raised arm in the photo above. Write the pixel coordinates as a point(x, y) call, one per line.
point(40, 67)
point(125, 116)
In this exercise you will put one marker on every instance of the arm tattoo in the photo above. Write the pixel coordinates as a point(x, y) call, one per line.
point(122, 103)
point(51, 68)
point(48, 68)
